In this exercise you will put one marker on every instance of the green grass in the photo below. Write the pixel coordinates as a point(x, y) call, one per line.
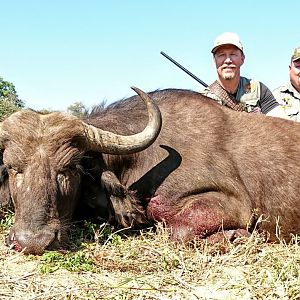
point(83, 236)
point(72, 261)
point(6, 220)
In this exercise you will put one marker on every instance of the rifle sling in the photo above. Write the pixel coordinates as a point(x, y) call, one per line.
point(226, 98)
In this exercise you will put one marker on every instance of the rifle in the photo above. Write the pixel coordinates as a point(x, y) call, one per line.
point(183, 68)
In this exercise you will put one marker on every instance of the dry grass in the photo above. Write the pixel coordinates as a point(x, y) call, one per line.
point(150, 266)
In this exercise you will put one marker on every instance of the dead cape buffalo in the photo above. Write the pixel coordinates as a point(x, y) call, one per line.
point(210, 170)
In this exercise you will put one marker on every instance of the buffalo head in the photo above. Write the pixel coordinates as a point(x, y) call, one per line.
point(43, 155)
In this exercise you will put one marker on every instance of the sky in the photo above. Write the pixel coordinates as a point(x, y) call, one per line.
point(60, 52)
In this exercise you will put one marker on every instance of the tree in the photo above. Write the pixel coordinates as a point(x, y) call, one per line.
point(6, 108)
point(78, 109)
point(9, 100)
point(8, 91)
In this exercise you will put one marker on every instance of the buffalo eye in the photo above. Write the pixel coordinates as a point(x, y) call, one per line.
point(74, 144)
point(13, 170)
point(67, 171)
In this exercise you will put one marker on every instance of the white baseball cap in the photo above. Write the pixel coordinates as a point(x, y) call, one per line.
point(227, 38)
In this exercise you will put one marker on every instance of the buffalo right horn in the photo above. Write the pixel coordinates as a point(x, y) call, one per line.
point(111, 143)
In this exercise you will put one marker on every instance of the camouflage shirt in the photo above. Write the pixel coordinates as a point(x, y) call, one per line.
point(253, 94)
point(289, 98)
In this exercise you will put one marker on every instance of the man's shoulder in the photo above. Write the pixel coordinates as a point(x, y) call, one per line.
point(248, 91)
point(250, 80)
point(283, 93)
point(250, 85)
point(280, 89)
point(285, 96)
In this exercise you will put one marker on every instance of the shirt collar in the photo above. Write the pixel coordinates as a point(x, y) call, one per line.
point(290, 89)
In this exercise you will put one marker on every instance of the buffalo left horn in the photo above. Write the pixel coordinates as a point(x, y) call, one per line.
point(107, 142)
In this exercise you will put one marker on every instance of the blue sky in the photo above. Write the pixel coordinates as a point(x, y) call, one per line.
point(57, 53)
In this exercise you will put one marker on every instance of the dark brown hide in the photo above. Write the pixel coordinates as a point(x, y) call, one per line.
point(210, 169)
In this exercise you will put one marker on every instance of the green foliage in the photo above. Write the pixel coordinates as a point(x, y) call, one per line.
point(82, 232)
point(105, 233)
point(7, 107)
point(78, 109)
point(9, 100)
point(86, 232)
point(6, 219)
point(51, 261)
point(45, 111)
point(8, 92)
point(81, 236)
point(112, 238)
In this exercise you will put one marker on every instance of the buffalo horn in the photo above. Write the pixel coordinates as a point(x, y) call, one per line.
point(107, 142)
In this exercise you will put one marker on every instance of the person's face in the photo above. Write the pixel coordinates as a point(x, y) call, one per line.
point(228, 60)
point(295, 74)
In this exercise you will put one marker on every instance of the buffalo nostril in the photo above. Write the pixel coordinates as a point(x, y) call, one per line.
point(13, 244)
point(29, 242)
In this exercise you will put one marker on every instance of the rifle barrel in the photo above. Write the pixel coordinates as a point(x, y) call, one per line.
point(183, 68)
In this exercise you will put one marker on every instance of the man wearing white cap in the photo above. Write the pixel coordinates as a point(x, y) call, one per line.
point(288, 95)
point(233, 90)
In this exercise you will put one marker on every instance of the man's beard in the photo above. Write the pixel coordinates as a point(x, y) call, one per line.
point(228, 76)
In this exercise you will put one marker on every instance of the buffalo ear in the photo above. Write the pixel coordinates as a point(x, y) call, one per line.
point(3, 169)
point(2, 139)
point(5, 198)
point(3, 174)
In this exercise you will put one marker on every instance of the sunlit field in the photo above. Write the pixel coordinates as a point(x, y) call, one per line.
point(147, 265)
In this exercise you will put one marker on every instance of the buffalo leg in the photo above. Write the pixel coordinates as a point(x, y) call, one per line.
point(125, 207)
point(201, 216)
